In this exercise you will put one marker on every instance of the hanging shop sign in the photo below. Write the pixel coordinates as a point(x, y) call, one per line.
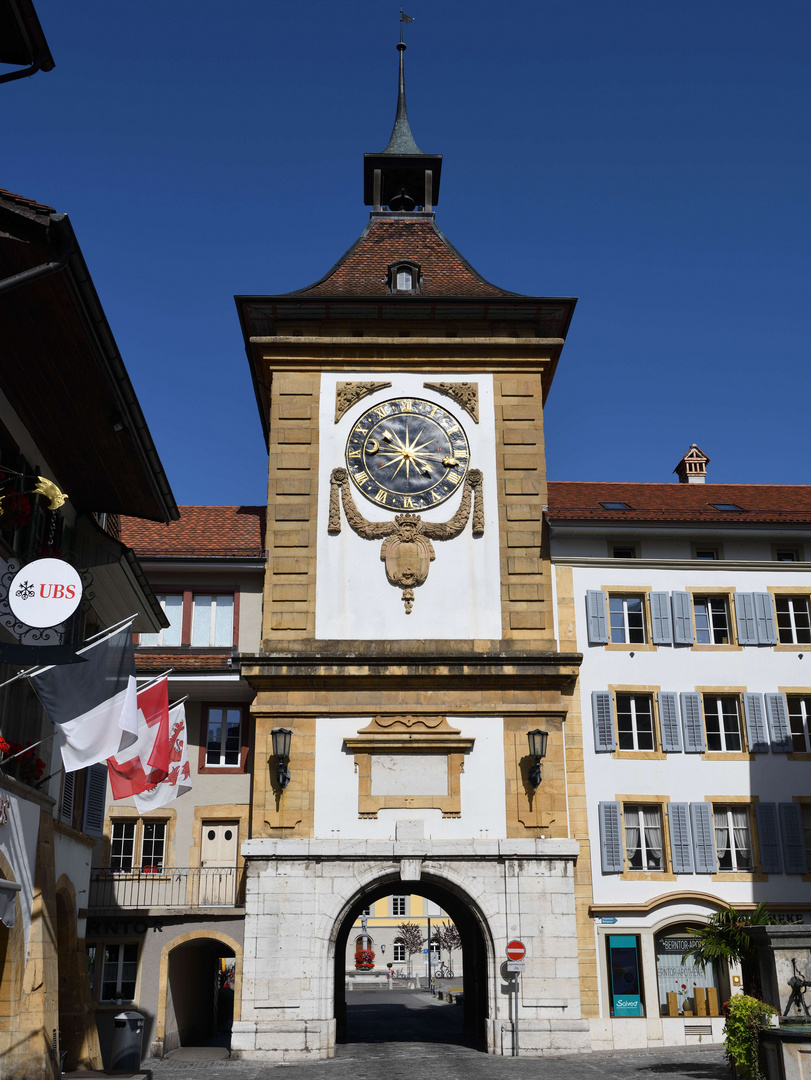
point(45, 592)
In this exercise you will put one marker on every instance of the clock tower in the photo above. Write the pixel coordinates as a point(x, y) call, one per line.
point(408, 647)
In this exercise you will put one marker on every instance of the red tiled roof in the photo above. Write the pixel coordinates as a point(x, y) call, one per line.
point(362, 271)
point(759, 503)
point(235, 531)
point(28, 207)
point(147, 661)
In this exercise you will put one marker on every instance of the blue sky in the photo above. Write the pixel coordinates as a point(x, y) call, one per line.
point(651, 159)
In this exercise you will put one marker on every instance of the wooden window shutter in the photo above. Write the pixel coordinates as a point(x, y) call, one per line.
point(681, 847)
point(661, 628)
point(611, 838)
point(756, 734)
point(791, 827)
point(682, 618)
point(692, 723)
point(95, 796)
point(745, 615)
point(669, 725)
point(768, 833)
point(597, 617)
point(764, 617)
point(602, 708)
point(777, 712)
point(66, 802)
point(703, 838)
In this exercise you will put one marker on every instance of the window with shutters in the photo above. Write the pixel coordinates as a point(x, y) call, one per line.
point(805, 811)
point(722, 720)
point(644, 840)
point(635, 727)
point(793, 620)
point(711, 615)
point(626, 618)
point(733, 838)
point(799, 713)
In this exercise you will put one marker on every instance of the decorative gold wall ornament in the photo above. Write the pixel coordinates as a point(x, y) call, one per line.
point(347, 393)
point(407, 550)
point(465, 394)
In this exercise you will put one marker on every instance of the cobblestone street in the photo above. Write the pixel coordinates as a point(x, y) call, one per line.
point(411, 1036)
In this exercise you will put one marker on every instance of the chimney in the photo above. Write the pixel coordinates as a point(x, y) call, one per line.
point(692, 469)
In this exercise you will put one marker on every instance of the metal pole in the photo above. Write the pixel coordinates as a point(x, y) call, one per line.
point(515, 1018)
point(429, 921)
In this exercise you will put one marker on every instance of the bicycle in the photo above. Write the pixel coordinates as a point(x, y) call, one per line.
point(443, 972)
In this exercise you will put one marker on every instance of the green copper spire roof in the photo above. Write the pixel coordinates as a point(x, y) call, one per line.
point(401, 141)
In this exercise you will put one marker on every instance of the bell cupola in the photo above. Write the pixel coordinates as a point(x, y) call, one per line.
point(401, 177)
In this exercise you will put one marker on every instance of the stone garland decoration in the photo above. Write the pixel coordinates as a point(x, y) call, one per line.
point(347, 393)
point(465, 394)
point(407, 550)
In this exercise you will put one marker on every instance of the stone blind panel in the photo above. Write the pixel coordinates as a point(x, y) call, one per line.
point(521, 476)
point(289, 610)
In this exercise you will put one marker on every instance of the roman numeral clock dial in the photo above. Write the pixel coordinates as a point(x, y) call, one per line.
point(407, 454)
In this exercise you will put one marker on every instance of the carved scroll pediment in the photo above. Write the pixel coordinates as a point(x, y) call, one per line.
point(409, 735)
point(348, 393)
point(465, 394)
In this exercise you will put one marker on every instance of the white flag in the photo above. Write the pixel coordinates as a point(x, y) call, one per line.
point(178, 782)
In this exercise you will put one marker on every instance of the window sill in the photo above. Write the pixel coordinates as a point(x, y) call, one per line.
point(641, 646)
point(739, 875)
point(798, 755)
point(728, 755)
point(715, 648)
point(222, 770)
point(798, 647)
point(647, 875)
point(639, 755)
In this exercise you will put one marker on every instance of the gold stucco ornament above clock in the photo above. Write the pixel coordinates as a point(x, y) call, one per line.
point(407, 454)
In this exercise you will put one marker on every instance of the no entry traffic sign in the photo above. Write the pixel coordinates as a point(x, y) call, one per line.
point(516, 950)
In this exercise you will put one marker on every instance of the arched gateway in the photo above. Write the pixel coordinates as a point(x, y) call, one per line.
point(409, 675)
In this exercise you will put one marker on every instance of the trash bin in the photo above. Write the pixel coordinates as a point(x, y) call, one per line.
point(127, 1038)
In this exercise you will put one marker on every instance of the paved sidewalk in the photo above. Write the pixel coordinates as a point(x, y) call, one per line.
point(409, 1035)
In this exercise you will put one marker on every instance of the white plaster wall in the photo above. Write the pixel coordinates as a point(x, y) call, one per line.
point(72, 859)
point(18, 843)
point(482, 786)
point(686, 777)
point(461, 597)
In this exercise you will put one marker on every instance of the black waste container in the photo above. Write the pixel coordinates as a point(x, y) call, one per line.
point(127, 1037)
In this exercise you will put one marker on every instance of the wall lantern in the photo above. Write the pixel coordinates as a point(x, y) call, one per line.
point(537, 749)
point(383, 949)
point(281, 751)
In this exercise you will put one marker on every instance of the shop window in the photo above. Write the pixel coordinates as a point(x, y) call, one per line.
point(684, 988)
point(625, 975)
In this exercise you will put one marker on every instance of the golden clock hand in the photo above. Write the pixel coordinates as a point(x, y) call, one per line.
point(372, 446)
point(449, 462)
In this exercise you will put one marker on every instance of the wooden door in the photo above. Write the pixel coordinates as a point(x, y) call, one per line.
point(218, 862)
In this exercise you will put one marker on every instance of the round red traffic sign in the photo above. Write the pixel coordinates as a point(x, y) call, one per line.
point(516, 950)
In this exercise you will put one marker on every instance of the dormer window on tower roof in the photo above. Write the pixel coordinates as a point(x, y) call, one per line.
point(404, 277)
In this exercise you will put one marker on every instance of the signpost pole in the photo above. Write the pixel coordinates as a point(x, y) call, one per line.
point(515, 1022)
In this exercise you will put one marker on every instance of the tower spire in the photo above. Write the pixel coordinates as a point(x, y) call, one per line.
point(401, 177)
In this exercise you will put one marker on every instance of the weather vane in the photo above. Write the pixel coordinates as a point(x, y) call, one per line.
point(403, 19)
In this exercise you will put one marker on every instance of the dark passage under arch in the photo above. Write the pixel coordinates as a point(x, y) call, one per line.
point(474, 952)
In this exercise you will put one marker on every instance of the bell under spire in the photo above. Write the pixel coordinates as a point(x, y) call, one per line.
point(401, 177)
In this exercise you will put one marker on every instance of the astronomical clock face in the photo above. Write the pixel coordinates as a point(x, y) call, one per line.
point(407, 454)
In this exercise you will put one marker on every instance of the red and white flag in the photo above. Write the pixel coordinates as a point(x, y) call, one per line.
point(178, 781)
point(147, 761)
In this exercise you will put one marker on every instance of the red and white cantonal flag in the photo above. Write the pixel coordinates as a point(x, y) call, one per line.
point(147, 761)
point(178, 782)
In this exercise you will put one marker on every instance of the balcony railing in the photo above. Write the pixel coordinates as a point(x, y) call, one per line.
point(169, 887)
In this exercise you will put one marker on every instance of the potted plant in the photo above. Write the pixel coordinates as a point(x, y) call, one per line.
point(746, 1017)
point(364, 959)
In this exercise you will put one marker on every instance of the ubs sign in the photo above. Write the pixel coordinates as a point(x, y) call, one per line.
point(45, 593)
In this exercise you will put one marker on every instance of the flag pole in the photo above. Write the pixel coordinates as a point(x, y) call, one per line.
point(181, 701)
point(151, 680)
point(33, 746)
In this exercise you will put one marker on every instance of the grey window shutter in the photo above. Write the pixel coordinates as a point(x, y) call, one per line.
point(756, 734)
point(597, 617)
point(764, 616)
point(745, 614)
point(791, 827)
point(768, 834)
point(669, 722)
point(661, 629)
point(611, 838)
point(703, 837)
point(602, 708)
point(66, 803)
point(95, 795)
point(681, 848)
point(777, 712)
point(692, 723)
point(682, 618)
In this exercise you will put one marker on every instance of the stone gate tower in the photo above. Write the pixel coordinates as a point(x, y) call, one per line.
point(408, 641)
